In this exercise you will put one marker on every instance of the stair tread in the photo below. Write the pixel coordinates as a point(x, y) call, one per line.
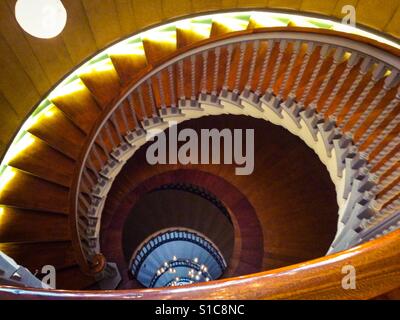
point(29, 192)
point(41, 160)
point(59, 132)
point(103, 82)
point(79, 106)
point(20, 225)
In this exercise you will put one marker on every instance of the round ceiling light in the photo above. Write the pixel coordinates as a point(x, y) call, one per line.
point(41, 18)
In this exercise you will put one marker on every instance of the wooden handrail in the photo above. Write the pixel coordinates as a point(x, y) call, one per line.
point(377, 265)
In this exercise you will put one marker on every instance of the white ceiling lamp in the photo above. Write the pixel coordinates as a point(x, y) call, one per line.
point(41, 18)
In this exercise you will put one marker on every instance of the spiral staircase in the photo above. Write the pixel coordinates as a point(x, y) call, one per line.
point(338, 92)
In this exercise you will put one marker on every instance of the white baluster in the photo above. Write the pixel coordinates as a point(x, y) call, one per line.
point(295, 54)
point(264, 67)
point(378, 73)
point(132, 110)
point(322, 56)
point(239, 72)
point(171, 82)
point(141, 102)
point(304, 65)
point(381, 137)
point(216, 72)
point(350, 65)
point(161, 90)
point(337, 59)
point(388, 180)
point(390, 82)
point(256, 46)
point(381, 117)
point(204, 76)
point(364, 68)
point(282, 48)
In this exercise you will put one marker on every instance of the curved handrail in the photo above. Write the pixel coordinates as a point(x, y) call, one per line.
point(377, 265)
point(351, 42)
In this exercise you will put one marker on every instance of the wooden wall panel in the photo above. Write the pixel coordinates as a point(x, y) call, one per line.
point(285, 4)
point(15, 38)
point(376, 13)
point(252, 3)
point(9, 122)
point(126, 16)
point(318, 6)
point(103, 20)
point(15, 84)
point(77, 35)
point(173, 8)
point(206, 5)
point(147, 12)
point(228, 4)
point(393, 26)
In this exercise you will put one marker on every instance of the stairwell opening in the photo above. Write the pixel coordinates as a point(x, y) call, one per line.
point(176, 234)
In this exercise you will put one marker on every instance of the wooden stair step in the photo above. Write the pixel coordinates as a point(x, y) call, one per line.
point(29, 192)
point(103, 81)
point(40, 160)
point(35, 255)
point(20, 225)
point(128, 64)
point(78, 104)
point(188, 36)
point(59, 132)
point(157, 48)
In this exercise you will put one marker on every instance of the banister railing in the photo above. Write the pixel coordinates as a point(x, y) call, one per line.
point(377, 265)
point(213, 73)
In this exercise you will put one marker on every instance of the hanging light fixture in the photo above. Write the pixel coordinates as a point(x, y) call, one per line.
point(41, 18)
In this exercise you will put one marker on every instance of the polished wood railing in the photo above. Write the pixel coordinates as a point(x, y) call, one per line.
point(376, 264)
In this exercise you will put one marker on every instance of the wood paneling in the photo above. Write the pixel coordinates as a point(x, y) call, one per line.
point(15, 84)
point(103, 19)
point(126, 16)
point(10, 121)
point(147, 12)
point(77, 35)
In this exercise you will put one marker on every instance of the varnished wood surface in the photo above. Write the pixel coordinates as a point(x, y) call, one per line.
point(377, 264)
